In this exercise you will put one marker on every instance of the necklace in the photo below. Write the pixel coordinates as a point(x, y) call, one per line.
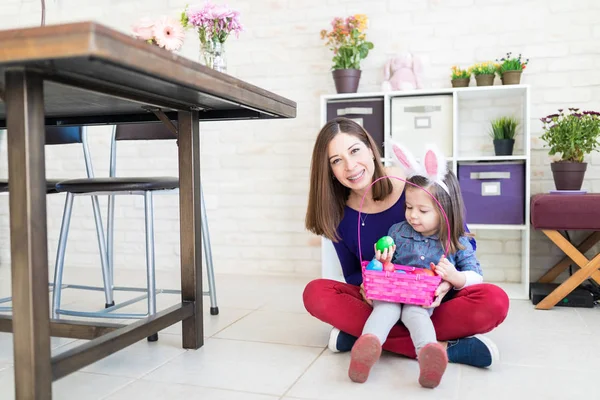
point(363, 219)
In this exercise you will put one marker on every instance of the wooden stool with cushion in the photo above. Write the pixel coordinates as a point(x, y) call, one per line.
point(568, 212)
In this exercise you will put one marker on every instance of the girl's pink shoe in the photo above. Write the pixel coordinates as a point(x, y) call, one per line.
point(432, 364)
point(365, 353)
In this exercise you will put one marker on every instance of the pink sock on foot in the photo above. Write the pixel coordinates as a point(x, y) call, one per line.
point(432, 364)
point(365, 353)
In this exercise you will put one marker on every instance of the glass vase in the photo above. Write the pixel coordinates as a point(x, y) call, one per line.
point(219, 60)
point(206, 54)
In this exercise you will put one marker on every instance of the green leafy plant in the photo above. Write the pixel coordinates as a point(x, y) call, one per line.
point(510, 63)
point(573, 134)
point(504, 128)
point(484, 68)
point(458, 73)
point(348, 41)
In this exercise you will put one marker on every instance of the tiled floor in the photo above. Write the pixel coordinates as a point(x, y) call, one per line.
point(263, 345)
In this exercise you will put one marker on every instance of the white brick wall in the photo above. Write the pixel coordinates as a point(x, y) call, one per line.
point(255, 174)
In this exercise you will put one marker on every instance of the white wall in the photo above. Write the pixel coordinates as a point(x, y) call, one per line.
point(255, 174)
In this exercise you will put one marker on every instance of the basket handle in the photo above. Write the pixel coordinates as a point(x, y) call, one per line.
point(410, 183)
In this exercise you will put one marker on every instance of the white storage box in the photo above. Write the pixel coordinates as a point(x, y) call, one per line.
point(421, 120)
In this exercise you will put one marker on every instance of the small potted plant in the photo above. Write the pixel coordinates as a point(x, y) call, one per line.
point(460, 77)
point(510, 69)
point(573, 134)
point(484, 73)
point(348, 42)
point(503, 133)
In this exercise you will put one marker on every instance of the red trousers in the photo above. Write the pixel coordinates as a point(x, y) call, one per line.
point(474, 309)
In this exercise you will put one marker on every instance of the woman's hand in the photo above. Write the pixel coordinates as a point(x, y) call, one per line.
point(385, 256)
point(440, 292)
point(362, 293)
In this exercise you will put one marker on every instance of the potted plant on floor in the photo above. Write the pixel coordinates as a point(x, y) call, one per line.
point(484, 73)
point(460, 77)
point(503, 133)
point(347, 40)
point(510, 69)
point(573, 134)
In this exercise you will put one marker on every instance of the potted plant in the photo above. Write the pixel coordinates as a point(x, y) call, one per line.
point(460, 77)
point(484, 73)
point(573, 134)
point(347, 40)
point(503, 134)
point(510, 69)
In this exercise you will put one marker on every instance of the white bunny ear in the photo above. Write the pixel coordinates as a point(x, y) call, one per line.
point(406, 160)
point(435, 164)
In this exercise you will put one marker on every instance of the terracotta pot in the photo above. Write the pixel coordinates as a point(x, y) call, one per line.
point(568, 175)
point(346, 80)
point(504, 147)
point(511, 77)
point(462, 82)
point(485, 79)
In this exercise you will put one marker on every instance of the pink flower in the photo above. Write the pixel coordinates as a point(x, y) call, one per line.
point(143, 29)
point(169, 33)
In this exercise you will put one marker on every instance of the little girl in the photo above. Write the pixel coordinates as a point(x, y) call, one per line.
point(420, 242)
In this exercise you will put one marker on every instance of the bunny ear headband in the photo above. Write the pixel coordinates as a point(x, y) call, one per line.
point(434, 166)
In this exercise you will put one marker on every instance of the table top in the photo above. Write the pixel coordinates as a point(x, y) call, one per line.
point(95, 74)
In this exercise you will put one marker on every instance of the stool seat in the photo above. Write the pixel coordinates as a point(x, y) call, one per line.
point(50, 185)
point(117, 184)
point(566, 211)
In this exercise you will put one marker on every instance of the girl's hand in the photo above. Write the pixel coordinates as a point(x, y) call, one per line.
point(385, 256)
point(440, 292)
point(447, 271)
point(362, 293)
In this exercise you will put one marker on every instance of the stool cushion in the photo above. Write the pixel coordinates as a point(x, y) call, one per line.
point(566, 211)
point(118, 184)
point(50, 186)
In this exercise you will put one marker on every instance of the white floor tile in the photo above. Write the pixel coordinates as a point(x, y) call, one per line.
point(279, 327)
point(519, 382)
point(162, 391)
point(236, 365)
point(392, 377)
point(77, 386)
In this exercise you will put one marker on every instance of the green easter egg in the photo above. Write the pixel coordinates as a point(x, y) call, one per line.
point(384, 243)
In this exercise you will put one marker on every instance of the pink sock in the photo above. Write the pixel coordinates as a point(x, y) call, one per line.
point(365, 353)
point(432, 364)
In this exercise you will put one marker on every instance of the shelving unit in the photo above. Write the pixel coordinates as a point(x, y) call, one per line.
point(463, 136)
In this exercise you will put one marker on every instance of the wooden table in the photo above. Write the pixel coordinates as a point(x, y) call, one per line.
point(84, 74)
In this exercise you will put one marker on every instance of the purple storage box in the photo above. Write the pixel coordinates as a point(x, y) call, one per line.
point(494, 192)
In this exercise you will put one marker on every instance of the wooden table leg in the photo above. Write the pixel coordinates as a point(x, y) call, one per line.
point(190, 226)
point(588, 268)
point(28, 236)
point(562, 265)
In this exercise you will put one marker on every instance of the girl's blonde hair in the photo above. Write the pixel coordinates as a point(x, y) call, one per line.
point(452, 204)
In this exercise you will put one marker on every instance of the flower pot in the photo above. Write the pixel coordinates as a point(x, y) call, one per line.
point(568, 175)
point(462, 82)
point(504, 147)
point(346, 80)
point(511, 77)
point(485, 79)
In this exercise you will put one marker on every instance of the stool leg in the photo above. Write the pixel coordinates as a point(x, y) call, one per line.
point(110, 240)
point(210, 271)
point(150, 262)
point(108, 294)
point(60, 255)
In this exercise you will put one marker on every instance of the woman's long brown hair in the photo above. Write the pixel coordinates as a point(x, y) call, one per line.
point(327, 196)
point(452, 204)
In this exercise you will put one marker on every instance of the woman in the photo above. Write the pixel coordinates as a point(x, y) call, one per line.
point(345, 162)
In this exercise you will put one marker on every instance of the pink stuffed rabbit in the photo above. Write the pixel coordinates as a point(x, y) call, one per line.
point(402, 73)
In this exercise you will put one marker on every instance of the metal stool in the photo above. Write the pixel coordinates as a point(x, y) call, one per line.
point(145, 186)
point(63, 135)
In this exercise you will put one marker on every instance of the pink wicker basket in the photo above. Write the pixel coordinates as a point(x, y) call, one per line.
point(407, 288)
